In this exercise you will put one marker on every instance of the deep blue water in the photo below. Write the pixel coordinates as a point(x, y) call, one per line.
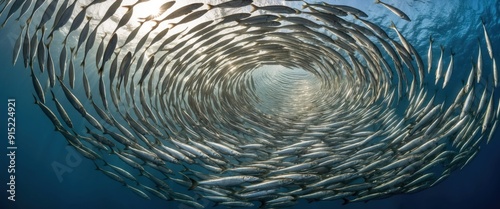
point(452, 23)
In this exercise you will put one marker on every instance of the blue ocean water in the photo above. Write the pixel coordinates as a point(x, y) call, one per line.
point(452, 23)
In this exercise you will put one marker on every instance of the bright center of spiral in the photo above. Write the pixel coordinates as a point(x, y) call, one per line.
point(283, 90)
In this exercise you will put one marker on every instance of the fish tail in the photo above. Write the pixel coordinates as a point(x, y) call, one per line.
point(393, 26)
point(101, 69)
point(346, 201)
point(194, 183)
point(377, 2)
point(53, 96)
point(210, 6)
point(262, 203)
point(305, 5)
point(96, 166)
point(36, 101)
point(128, 6)
point(185, 168)
point(64, 41)
point(253, 8)
point(431, 39)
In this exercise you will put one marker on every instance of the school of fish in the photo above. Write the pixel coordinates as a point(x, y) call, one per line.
point(253, 104)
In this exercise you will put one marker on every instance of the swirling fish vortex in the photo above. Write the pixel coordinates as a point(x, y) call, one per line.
point(247, 102)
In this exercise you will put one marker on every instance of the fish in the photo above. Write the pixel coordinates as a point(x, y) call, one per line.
point(495, 72)
point(231, 4)
point(111, 175)
point(62, 63)
point(487, 38)
point(139, 192)
point(73, 99)
point(50, 68)
point(479, 67)
point(77, 22)
point(429, 55)
point(449, 70)
point(439, 68)
point(225, 181)
point(394, 10)
point(26, 49)
point(15, 6)
point(64, 18)
point(62, 111)
point(38, 87)
point(83, 34)
point(190, 17)
point(275, 9)
point(24, 9)
point(181, 11)
point(17, 46)
point(110, 48)
point(49, 12)
point(53, 118)
point(147, 68)
point(71, 71)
